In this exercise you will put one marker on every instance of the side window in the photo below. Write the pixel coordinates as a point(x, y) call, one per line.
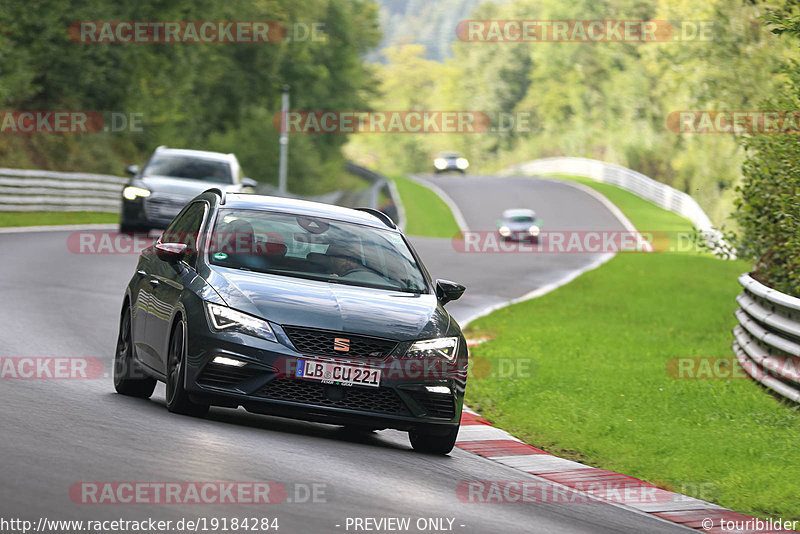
point(186, 228)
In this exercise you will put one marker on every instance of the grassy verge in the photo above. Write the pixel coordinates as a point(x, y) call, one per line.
point(45, 218)
point(592, 381)
point(426, 214)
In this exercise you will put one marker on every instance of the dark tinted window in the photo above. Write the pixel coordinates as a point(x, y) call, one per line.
point(207, 170)
point(186, 228)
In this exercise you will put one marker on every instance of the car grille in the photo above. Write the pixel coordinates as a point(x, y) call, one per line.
point(161, 206)
point(221, 376)
point(435, 404)
point(321, 343)
point(378, 400)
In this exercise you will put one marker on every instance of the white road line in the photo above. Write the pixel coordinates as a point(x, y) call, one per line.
point(57, 228)
point(457, 215)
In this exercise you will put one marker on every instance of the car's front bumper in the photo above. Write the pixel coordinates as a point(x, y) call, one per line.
point(521, 236)
point(267, 385)
point(155, 211)
point(135, 214)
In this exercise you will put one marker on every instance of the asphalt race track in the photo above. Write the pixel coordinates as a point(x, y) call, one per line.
point(57, 433)
point(496, 278)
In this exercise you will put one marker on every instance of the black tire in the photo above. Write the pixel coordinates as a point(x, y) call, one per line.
point(177, 397)
point(433, 443)
point(129, 378)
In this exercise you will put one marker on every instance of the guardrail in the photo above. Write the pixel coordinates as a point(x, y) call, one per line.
point(767, 338)
point(35, 190)
point(370, 197)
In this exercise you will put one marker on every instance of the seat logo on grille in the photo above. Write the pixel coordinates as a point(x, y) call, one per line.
point(341, 344)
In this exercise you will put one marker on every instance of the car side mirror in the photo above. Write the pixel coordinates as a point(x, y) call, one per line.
point(170, 252)
point(249, 182)
point(447, 291)
point(133, 170)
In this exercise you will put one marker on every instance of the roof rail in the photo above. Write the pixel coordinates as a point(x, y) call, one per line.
point(217, 191)
point(385, 219)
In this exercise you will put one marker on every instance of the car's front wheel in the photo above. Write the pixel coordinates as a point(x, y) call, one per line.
point(129, 379)
point(433, 443)
point(177, 397)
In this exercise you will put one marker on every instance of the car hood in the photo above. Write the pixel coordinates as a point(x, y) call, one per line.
point(328, 306)
point(181, 187)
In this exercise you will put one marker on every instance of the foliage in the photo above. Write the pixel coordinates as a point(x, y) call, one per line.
point(208, 96)
point(604, 100)
point(768, 210)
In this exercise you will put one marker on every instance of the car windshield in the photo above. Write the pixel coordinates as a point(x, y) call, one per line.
point(314, 248)
point(192, 168)
point(522, 219)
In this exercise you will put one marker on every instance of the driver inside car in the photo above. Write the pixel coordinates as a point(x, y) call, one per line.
point(342, 260)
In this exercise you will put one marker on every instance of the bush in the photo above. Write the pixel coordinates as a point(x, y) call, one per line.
point(768, 210)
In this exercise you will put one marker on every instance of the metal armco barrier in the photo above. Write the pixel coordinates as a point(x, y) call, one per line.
point(371, 197)
point(35, 190)
point(767, 338)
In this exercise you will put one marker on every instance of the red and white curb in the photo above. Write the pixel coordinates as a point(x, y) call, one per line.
point(478, 436)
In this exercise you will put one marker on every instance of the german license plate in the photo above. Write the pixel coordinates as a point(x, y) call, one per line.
point(337, 373)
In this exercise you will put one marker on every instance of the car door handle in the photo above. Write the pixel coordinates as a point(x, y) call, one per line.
point(154, 282)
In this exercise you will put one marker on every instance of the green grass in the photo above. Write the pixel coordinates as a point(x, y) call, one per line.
point(595, 387)
point(644, 215)
point(46, 218)
point(426, 214)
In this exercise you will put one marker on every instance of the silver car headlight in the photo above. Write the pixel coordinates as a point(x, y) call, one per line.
point(505, 231)
point(131, 192)
point(443, 347)
point(534, 230)
point(440, 163)
point(222, 318)
point(462, 163)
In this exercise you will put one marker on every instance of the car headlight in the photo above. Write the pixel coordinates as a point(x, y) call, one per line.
point(505, 231)
point(132, 192)
point(462, 163)
point(222, 318)
point(534, 230)
point(440, 163)
point(443, 347)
